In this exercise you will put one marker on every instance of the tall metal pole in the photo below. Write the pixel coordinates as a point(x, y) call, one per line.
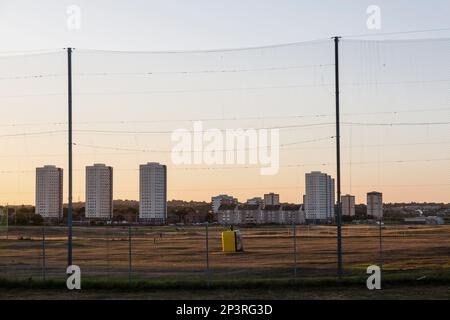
point(338, 160)
point(69, 212)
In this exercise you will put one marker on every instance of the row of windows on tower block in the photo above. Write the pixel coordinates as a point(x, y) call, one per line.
point(99, 191)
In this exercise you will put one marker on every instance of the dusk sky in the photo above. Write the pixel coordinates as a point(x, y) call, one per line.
point(395, 93)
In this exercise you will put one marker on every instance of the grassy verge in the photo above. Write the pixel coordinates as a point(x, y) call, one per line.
point(404, 279)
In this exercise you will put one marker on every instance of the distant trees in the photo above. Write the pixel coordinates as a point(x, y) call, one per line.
point(125, 213)
point(26, 218)
point(23, 215)
point(124, 210)
point(181, 213)
point(360, 210)
point(185, 213)
point(347, 218)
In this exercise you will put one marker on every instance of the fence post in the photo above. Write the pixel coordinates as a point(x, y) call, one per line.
point(381, 242)
point(207, 253)
point(107, 251)
point(129, 254)
point(7, 222)
point(295, 250)
point(43, 254)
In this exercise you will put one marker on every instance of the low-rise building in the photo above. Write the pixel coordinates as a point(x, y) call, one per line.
point(256, 214)
point(272, 214)
point(221, 199)
point(228, 214)
point(293, 214)
point(255, 200)
point(250, 214)
point(431, 220)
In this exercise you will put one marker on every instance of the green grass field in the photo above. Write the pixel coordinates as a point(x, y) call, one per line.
point(401, 285)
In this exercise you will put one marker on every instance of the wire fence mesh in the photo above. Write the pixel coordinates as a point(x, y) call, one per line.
point(180, 253)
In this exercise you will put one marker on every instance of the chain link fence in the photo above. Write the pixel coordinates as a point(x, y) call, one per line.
point(136, 253)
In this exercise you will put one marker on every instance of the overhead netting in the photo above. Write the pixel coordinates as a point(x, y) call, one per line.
point(130, 104)
point(395, 111)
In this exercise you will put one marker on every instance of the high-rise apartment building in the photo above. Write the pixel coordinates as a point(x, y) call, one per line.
point(348, 205)
point(99, 191)
point(375, 204)
point(319, 197)
point(49, 192)
point(153, 193)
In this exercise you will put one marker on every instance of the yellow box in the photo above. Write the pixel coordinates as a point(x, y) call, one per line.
point(228, 241)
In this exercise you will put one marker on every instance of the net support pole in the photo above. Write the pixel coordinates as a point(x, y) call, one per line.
point(338, 162)
point(70, 205)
